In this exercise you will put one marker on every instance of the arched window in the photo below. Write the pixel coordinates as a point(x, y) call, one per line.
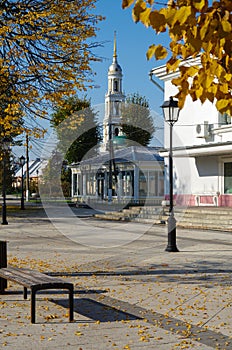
point(115, 85)
point(116, 107)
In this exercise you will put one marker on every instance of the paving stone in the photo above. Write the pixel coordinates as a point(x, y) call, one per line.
point(130, 296)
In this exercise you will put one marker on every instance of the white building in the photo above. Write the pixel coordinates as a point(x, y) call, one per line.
point(202, 150)
point(35, 168)
point(121, 173)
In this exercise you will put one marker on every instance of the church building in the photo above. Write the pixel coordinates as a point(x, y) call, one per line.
point(122, 172)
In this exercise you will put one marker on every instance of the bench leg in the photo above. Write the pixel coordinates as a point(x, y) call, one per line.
point(3, 263)
point(32, 306)
point(25, 292)
point(3, 285)
point(71, 304)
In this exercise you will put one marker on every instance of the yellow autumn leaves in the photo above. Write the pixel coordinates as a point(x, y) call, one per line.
point(196, 28)
point(44, 55)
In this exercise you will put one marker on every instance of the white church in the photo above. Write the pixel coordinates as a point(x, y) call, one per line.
point(119, 173)
point(202, 150)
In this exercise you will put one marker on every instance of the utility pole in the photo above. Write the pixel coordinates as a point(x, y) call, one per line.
point(27, 170)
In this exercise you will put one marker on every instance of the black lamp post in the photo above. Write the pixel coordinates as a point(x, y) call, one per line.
point(5, 146)
point(171, 114)
point(22, 162)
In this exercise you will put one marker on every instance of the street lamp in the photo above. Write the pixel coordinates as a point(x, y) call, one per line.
point(22, 162)
point(171, 114)
point(5, 146)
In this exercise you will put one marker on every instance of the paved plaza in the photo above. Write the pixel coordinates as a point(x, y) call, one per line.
point(129, 292)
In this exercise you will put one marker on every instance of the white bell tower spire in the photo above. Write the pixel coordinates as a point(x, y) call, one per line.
point(113, 100)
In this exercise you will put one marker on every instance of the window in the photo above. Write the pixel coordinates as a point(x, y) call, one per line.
point(79, 185)
point(143, 179)
point(127, 183)
point(90, 184)
point(227, 177)
point(74, 184)
point(224, 119)
point(115, 85)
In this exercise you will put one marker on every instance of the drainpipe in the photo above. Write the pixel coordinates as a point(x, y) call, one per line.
point(155, 82)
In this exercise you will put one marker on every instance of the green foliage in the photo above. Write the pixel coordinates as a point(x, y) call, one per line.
point(76, 121)
point(9, 172)
point(50, 184)
point(137, 122)
point(56, 178)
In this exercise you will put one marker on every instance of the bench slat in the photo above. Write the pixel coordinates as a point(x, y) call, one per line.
point(32, 273)
point(12, 277)
point(28, 277)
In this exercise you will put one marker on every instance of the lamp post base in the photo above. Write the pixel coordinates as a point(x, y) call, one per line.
point(171, 247)
point(4, 222)
point(22, 207)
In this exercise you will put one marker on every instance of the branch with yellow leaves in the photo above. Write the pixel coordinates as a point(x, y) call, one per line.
point(196, 28)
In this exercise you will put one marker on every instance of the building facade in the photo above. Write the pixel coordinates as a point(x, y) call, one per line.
point(202, 152)
point(35, 168)
point(119, 173)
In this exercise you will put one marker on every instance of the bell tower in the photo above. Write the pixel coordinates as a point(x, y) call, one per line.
point(113, 101)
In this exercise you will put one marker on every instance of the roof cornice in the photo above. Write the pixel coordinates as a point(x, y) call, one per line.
point(161, 71)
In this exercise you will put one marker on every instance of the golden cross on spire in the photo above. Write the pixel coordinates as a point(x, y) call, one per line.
point(115, 46)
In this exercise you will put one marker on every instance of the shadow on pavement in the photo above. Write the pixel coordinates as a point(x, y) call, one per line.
point(194, 273)
point(97, 311)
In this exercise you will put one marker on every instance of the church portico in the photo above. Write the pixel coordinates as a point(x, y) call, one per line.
point(120, 173)
point(133, 178)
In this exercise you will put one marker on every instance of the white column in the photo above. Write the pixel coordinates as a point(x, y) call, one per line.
point(84, 185)
point(105, 185)
point(72, 186)
point(136, 183)
point(96, 189)
point(119, 186)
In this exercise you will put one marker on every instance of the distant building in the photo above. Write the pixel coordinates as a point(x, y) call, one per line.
point(118, 173)
point(202, 150)
point(35, 172)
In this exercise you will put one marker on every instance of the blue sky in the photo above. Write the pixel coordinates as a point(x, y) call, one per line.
point(133, 41)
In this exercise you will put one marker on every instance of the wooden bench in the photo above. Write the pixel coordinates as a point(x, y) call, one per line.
point(36, 281)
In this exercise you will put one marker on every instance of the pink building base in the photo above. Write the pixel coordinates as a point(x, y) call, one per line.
point(190, 200)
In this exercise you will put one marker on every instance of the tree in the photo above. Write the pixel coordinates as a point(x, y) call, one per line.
point(197, 28)
point(77, 129)
point(45, 52)
point(56, 178)
point(137, 122)
point(13, 125)
point(9, 128)
point(9, 171)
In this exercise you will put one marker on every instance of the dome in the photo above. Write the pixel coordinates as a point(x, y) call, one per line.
point(115, 67)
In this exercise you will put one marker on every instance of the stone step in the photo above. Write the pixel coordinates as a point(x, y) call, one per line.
point(111, 217)
point(187, 224)
point(204, 222)
point(214, 218)
point(203, 226)
point(150, 221)
point(202, 215)
point(205, 210)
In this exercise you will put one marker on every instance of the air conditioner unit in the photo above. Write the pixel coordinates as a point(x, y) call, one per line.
point(202, 130)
